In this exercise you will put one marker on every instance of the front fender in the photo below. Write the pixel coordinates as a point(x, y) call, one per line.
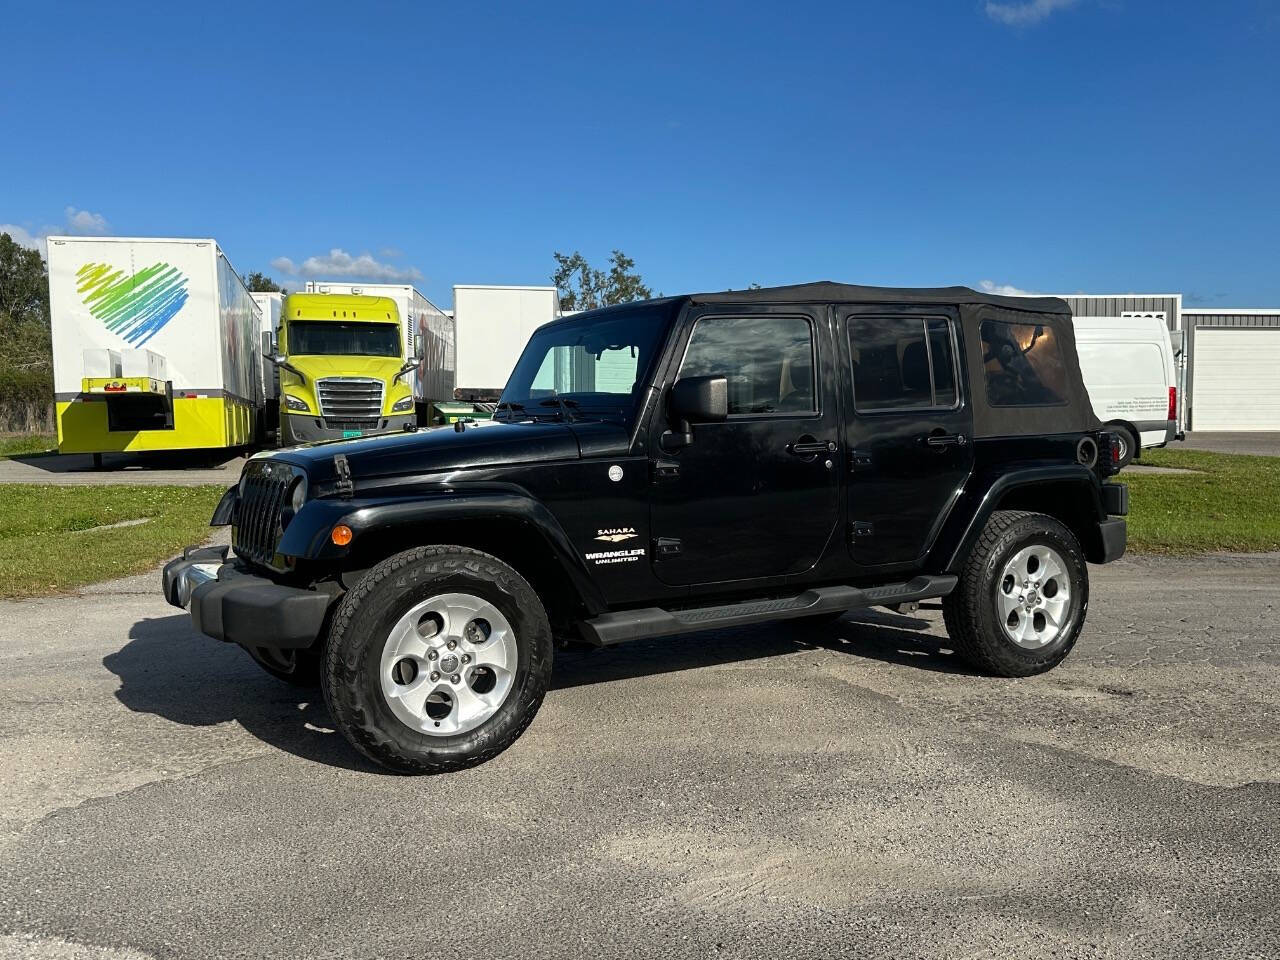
point(308, 535)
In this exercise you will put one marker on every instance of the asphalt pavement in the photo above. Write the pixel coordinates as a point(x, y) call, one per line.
point(171, 468)
point(782, 791)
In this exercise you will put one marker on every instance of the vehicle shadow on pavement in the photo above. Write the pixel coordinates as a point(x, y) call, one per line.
point(871, 634)
point(168, 670)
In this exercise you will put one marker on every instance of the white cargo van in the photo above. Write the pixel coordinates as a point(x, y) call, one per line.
point(1130, 371)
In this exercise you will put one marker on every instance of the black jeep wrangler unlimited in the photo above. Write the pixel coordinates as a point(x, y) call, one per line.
point(671, 466)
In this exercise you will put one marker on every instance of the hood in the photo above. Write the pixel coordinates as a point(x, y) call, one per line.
point(317, 366)
point(389, 457)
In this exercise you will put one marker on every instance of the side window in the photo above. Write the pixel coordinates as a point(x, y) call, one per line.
point(902, 363)
point(768, 361)
point(1023, 363)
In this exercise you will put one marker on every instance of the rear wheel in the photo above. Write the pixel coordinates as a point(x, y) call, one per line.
point(438, 660)
point(1022, 596)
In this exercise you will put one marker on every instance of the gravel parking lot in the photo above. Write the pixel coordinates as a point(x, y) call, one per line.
point(783, 791)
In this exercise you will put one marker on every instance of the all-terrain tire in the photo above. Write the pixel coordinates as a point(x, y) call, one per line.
point(301, 668)
point(971, 611)
point(351, 678)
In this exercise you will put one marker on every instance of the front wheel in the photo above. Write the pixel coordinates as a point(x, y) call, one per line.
point(1022, 596)
point(438, 660)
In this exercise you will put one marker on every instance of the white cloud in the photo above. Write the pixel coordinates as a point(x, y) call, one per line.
point(78, 222)
point(339, 263)
point(1026, 13)
point(1005, 289)
point(22, 237)
point(82, 221)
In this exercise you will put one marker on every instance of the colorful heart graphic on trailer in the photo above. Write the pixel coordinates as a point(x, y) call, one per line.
point(134, 306)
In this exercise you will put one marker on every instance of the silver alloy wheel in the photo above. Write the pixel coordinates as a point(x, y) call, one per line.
point(1122, 445)
point(448, 664)
point(1033, 596)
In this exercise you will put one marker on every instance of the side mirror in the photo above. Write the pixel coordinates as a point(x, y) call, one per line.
point(405, 368)
point(284, 364)
point(698, 400)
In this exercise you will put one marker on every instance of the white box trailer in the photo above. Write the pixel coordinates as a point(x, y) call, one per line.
point(428, 334)
point(494, 324)
point(156, 346)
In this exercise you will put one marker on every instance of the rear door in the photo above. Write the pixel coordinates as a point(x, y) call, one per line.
point(909, 435)
point(756, 496)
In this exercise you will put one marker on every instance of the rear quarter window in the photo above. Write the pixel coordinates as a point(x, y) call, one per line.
point(1023, 364)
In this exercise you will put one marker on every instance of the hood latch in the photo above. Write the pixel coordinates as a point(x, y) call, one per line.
point(345, 486)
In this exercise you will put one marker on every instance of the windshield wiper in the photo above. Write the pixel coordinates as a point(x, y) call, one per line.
point(557, 401)
point(510, 407)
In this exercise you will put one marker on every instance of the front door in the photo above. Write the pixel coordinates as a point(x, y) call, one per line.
point(757, 495)
point(910, 435)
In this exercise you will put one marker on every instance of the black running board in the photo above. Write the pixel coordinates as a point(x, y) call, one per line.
point(611, 628)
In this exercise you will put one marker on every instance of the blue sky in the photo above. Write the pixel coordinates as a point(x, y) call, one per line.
point(1055, 145)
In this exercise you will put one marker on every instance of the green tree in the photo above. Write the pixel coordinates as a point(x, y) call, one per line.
point(26, 354)
point(24, 283)
point(261, 283)
point(584, 287)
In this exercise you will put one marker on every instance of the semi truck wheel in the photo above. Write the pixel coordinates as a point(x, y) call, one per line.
point(437, 660)
point(1022, 596)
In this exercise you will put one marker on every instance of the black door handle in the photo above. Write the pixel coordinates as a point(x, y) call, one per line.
point(947, 440)
point(808, 448)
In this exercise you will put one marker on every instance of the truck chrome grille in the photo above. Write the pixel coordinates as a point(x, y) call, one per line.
point(257, 529)
point(350, 402)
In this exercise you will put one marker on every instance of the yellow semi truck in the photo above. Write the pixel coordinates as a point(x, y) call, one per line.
point(345, 369)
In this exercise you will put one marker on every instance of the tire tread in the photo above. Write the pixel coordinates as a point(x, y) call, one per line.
point(358, 724)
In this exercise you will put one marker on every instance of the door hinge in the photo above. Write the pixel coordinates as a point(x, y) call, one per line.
point(660, 470)
point(859, 460)
point(666, 547)
point(861, 529)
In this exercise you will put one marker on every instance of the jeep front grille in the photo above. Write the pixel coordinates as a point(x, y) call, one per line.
point(350, 402)
point(257, 529)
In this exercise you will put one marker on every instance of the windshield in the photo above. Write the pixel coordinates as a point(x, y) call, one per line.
point(594, 368)
point(339, 338)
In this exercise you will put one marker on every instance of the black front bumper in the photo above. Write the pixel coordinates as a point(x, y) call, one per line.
point(240, 606)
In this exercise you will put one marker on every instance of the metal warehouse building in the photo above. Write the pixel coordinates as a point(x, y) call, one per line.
point(1230, 358)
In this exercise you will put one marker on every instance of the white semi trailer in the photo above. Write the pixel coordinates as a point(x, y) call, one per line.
point(156, 346)
point(494, 324)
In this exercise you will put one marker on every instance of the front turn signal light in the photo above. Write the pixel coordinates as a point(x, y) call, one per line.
point(341, 535)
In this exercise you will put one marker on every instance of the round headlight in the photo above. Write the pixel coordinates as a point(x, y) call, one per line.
point(299, 494)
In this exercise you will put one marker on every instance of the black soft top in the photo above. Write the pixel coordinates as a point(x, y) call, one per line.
point(1073, 414)
point(828, 291)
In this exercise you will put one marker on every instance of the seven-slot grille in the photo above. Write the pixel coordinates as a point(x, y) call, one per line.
point(350, 402)
point(263, 494)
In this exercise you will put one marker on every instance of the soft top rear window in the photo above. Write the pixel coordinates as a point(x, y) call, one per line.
point(1023, 364)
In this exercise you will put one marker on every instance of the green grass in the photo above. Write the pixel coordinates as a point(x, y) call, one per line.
point(17, 444)
point(1232, 504)
point(47, 544)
